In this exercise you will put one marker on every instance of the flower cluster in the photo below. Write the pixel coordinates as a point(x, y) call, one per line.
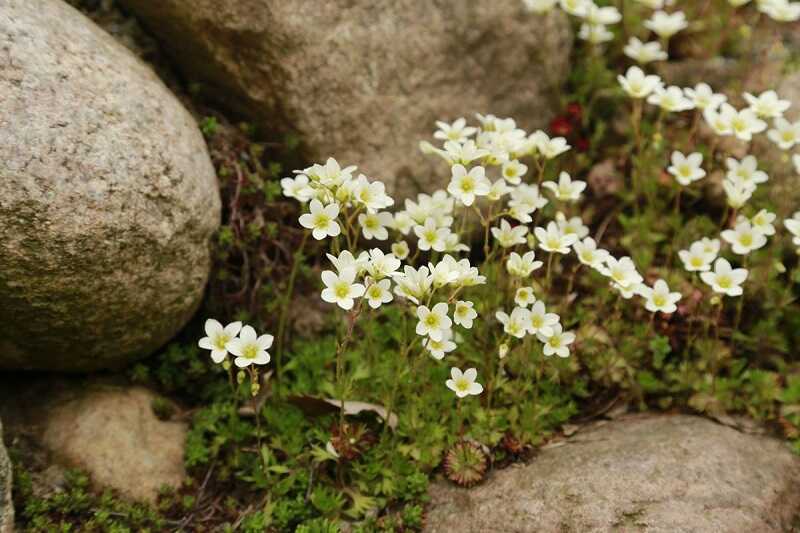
point(247, 347)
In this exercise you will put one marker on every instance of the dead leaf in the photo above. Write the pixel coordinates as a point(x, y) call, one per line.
point(314, 406)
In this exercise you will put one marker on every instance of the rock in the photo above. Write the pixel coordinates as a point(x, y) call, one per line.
point(107, 197)
point(106, 429)
point(6, 504)
point(639, 473)
point(364, 81)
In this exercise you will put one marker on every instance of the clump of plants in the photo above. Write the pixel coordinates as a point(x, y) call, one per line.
point(467, 325)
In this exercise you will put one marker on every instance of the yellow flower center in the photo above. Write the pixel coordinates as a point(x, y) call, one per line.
point(220, 341)
point(342, 290)
point(250, 351)
point(746, 239)
point(724, 281)
point(462, 385)
point(659, 300)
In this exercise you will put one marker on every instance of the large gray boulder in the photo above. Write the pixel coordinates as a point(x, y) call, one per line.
point(364, 81)
point(653, 474)
point(6, 505)
point(107, 197)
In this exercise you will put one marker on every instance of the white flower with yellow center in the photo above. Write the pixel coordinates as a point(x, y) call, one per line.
point(703, 97)
point(499, 189)
point(594, 33)
point(670, 99)
point(400, 250)
point(381, 265)
point(433, 322)
point(373, 225)
point(466, 186)
point(644, 53)
point(557, 341)
point(540, 321)
point(527, 199)
point(513, 171)
point(297, 188)
point(458, 131)
point(744, 238)
point(781, 10)
point(697, 258)
point(567, 189)
point(431, 236)
point(524, 296)
point(686, 169)
point(508, 236)
point(547, 147)
point(767, 104)
point(341, 288)
point(464, 314)
point(658, 298)
point(602, 15)
point(371, 195)
point(745, 172)
point(745, 124)
point(522, 265)
point(413, 284)
point(464, 384)
point(665, 25)
point(571, 226)
point(622, 271)
point(763, 222)
point(218, 338)
point(439, 348)
point(738, 193)
point(589, 255)
point(249, 348)
point(321, 220)
point(378, 293)
point(553, 239)
point(720, 120)
point(576, 8)
point(785, 134)
point(515, 324)
point(724, 279)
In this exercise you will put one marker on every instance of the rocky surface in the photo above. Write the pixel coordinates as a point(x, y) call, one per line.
point(365, 81)
point(6, 505)
point(107, 197)
point(640, 473)
point(106, 429)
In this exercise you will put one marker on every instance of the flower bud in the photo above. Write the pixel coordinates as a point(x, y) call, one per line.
point(503, 350)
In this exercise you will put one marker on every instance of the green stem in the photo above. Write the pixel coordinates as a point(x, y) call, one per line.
point(287, 300)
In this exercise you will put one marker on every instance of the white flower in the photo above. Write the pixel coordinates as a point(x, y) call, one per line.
point(575, 7)
point(767, 104)
point(403, 222)
point(526, 199)
point(400, 250)
point(433, 322)
point(513, 171)
point(297, 188)
point(566, 189)
point(515, 324)
point(463, 153)
point(710, 247)
point(540, 6)
point(644, 53)
point(745, 123)
point(744, 238)
point(322, 220)
point(627, 292)
point(371, 195)
point(218, 338)
point(458, 131)
point(590, 255)
point(540, 321)
point(762, 222)
point(508, 236)
point(658, 298)
point(571, 226)
point(522, 266)
point(464, 384)
point(601, 15)
point(547, 147)
point(687, 169)
point(381, 265)
point(781, 10)
point(720, 119)
point(557, 341)
point(793, 225)
point(444, 272)
point(331, 174)
point(439, 348)
point(373, 225)
point(341, 288)
point(622, 271)
point(595, 33)
point(703, 97)
point(656, 4)
point(464, 314)
point(431, 237)
point(738, 193)
point(724, 279)
point(467, 185)
point(524, 296)
point(413, 284)
point(347, 261)
point(468, 275)
point(553, 240)
point(738, 3)
point(785, 134)
point(499, 189)
point(745, 171)
point(378, 293)
point(665, 25)
point(670, 99)
point(637, 84)
point(249, 348)
point(697, 258)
